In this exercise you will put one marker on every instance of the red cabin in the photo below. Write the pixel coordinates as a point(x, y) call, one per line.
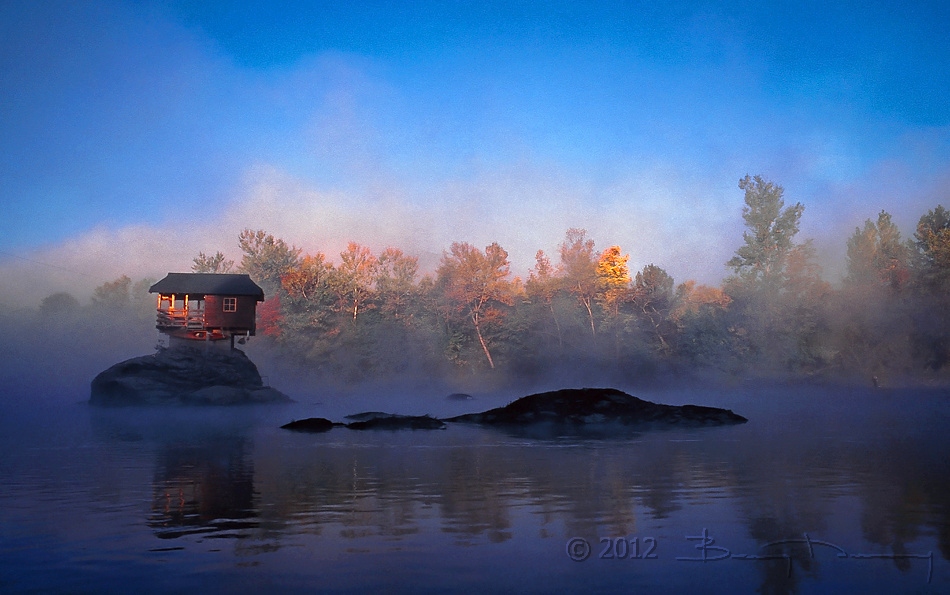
point(207, 306)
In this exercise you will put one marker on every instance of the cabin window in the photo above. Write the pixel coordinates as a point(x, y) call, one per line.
point(230, 304)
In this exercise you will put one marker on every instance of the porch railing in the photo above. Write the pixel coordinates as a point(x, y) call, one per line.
point(188, 319)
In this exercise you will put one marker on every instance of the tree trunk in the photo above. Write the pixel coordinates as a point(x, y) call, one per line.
point(590, 314)
point(557, 325)
point(478, 331)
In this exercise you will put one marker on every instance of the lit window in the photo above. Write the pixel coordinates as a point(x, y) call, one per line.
point(230, 304)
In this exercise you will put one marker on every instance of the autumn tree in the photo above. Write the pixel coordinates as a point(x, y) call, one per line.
point(476, 285)
point(307, 280)
point(578, 270)
point(114, 293)
point(692, 298)
point(266, 259)
point(702, 331)
point(211, 264)
point(877, 256)
point(613, 278)
point(932, 279)
point(871, 319)
point(352, 280)
point(932, 246)
point(270, 318)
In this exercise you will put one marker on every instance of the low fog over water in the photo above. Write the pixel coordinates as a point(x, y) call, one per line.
point(167, 499)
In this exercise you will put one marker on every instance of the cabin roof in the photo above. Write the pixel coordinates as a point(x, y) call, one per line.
point(208, 284)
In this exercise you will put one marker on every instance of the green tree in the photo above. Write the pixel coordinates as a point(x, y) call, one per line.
point(653, 298)
point(578, 270)
point(266, 259)
point(542, 288)
point(211, 264)
point(476, 286)
point(777, 288)
point(760, 262)
point(300, 313)
point(702, 331)
point(396, 283)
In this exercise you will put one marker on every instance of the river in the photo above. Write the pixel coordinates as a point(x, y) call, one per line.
point(823, 490)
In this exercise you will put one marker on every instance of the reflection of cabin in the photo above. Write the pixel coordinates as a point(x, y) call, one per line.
point(207, 306)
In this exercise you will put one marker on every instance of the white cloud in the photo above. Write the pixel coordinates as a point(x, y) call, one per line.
point(524, 208)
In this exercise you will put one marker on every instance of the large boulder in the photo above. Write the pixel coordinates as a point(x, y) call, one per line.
point(597, 406)
point(184, 376)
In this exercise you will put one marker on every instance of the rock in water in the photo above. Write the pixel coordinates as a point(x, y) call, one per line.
point(598, 406)
point(311, 424)
point(375, 420)
point(184, 376)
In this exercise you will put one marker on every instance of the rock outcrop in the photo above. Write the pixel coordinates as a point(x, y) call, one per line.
point(311, 424)
point(184, 376)
point(374, 420)
point(370, 420)
point(597, 406)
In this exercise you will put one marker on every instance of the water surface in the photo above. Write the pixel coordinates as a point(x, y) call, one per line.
point(823, 490)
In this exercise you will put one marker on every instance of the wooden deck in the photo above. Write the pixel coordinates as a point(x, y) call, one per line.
point(181, 319)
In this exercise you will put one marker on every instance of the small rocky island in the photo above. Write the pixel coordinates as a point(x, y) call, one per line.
point(566, 409)
point(200, 313)
point(370, 420)
point(597, 406)
point(184, 375)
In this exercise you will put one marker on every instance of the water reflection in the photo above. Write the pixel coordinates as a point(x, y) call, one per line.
point(868, 474)
point(204, 488)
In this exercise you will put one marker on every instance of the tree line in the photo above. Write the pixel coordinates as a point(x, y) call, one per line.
point(580, 308)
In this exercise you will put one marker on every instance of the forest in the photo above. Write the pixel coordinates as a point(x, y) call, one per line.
point(370, 316)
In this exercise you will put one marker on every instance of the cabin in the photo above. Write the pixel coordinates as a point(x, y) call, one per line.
point(207, 306)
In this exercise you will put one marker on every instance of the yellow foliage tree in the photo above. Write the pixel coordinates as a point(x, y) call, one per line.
point(613, 278)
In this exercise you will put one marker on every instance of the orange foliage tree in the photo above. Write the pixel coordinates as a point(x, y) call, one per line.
point(476, 285)
point(352, 281)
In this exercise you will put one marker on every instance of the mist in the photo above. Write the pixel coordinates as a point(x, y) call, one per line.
point(881, 325)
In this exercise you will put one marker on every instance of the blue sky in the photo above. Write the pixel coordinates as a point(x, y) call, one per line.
point(136, 134)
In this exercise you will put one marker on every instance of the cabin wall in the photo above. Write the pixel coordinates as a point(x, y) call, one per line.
point(242, 319)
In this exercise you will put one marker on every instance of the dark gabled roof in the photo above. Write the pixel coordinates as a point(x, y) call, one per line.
point(208, 284)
